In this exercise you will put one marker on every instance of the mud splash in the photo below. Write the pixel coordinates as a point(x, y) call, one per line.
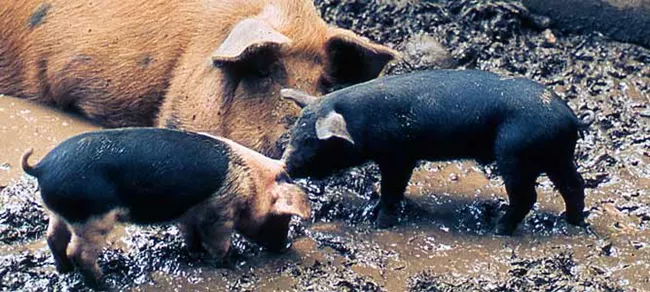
point(445, 241)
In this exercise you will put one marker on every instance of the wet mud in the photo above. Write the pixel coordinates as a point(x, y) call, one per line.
point(445, 240)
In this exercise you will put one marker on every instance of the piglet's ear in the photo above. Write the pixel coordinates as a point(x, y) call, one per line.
point(289, 199)
point(332, 125)
point(247, 38)
point(301, 98)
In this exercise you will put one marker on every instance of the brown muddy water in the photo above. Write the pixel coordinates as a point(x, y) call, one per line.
point(445, 240)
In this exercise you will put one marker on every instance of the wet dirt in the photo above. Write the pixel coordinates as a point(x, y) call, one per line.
point(24, 124)
point(445, 240)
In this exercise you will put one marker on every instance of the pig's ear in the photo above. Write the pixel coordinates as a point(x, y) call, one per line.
point(301, 98)
point(289, 199)
point(353, 59)
point(332, 125)
point(247, 38)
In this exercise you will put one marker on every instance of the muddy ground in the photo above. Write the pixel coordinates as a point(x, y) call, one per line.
point(445, 241)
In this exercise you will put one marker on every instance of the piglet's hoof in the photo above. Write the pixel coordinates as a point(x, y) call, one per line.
point(505, 228)
point(385, 219)
point(94, 283)
point(196, 255)
point(226, 262)
point(64, 268)
point(280, 247)
point(577, 219)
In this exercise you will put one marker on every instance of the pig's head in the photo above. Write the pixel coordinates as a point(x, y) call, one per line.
point(320, 143)
point(267, 220)
point(271, 199)
point(263, 48)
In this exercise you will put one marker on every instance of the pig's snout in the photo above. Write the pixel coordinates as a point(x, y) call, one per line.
point(292, 200)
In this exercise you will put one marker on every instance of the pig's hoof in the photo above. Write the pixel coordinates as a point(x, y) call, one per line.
point(577, 219)
point(94, 283)
point(505, 229)
point(279, 248)
point(196, 250)
point(64, 268)
point(225, 262)
point(194, 255)
point(386, 220)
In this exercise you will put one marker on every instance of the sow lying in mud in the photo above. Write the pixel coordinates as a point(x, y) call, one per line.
point(199, 65)
point(442, 115)
point(211, 186)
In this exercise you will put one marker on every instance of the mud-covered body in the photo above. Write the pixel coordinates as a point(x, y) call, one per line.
point(441, 115)
point(210, 186)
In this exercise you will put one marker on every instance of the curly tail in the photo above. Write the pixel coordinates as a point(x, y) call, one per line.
point(25, 164)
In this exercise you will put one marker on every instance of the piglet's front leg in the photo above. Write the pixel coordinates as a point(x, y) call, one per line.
point(191, 237)
point(215, 238)
point(394, 179)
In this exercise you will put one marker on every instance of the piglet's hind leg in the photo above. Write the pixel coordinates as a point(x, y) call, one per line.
point(522, 196)
point(571, 186)
point(86, 245)
point(58, 238)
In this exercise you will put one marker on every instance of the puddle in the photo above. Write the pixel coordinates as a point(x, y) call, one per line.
point(26, 124)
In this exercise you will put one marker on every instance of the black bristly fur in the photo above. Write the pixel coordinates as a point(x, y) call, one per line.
point(155, 174)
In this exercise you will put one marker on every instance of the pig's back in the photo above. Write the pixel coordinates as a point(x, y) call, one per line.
point(456, 110)
point(448, 89)
point(156, 174)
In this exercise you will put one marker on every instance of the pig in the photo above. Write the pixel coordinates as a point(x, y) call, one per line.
point(200, 65)
point(442, 115)
point(210, 186)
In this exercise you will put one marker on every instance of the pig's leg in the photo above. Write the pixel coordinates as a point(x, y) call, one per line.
point(521, 197)
point(86, 245)
point(571, 185)
point(394, 179)
point(515, 160)
point(58, 238)
point(519, 177)
point(191, 236)
point(215, 236)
